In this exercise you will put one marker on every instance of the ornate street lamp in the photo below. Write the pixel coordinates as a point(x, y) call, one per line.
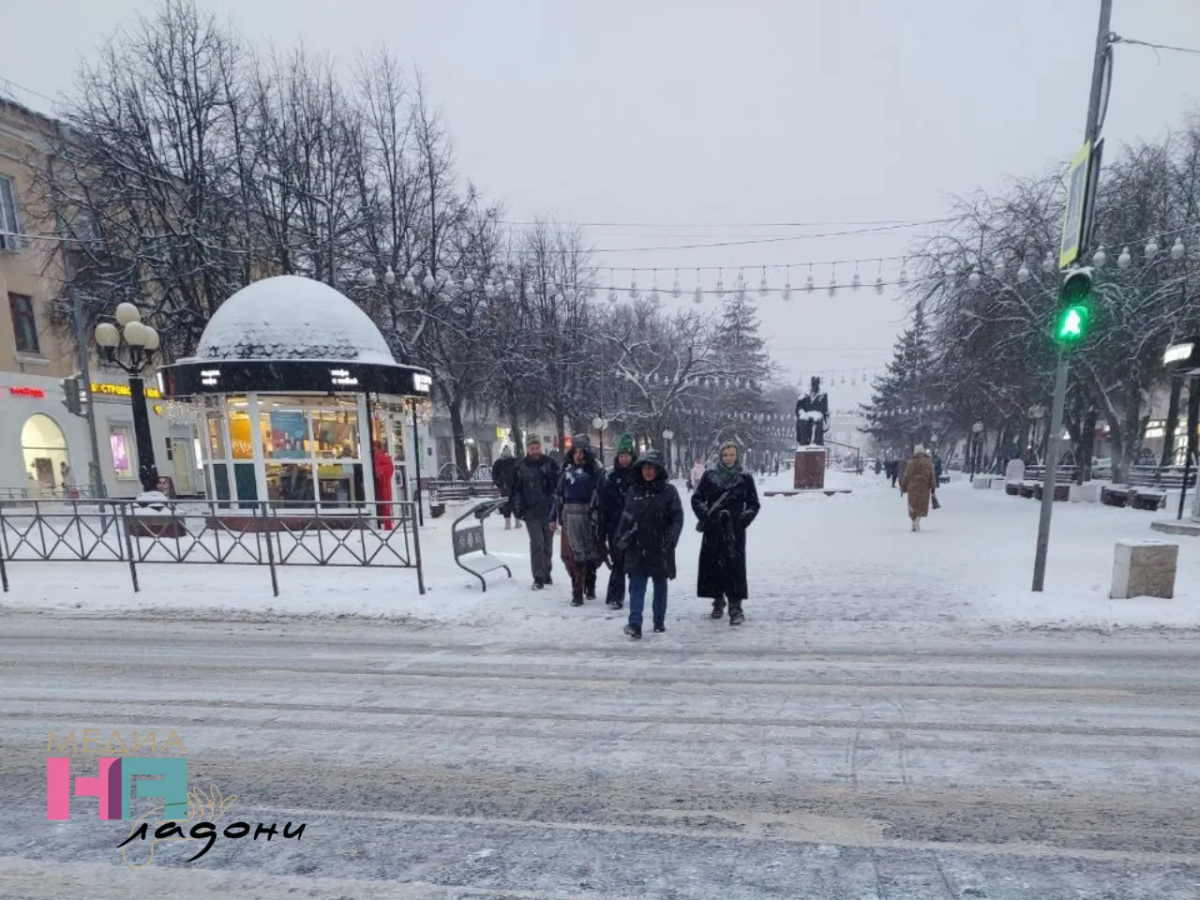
point(138, 343)
point(668, 436)
point(600, 423)
point(977, 438)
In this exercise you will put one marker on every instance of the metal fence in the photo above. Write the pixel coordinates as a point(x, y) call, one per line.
point(263, 533)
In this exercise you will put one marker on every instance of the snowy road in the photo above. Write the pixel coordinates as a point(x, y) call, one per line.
point(1058, 766)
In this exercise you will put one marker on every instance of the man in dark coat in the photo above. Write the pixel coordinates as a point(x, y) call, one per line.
point(651, 524)
point(502, 478)
point(725, 504)
point(616, 486)
point(532, 496)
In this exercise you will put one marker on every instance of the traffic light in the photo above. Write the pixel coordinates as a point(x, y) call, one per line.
point(74, 396)
point(1074, 307)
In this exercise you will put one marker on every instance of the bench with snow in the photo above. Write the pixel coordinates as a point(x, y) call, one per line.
point(1144, 567)
point(470, 546)
point(1030, 486)
point(1146, 487)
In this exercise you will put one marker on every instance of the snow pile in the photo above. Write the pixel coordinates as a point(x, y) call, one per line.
point(288, 317)
point(821, 568)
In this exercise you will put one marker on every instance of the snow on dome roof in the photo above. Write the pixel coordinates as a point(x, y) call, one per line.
point(288, 317)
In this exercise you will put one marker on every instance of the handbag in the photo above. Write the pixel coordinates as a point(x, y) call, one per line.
point(933, 498)
point(702, 523)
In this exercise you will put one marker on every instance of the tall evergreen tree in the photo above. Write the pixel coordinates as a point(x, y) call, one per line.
point(903, 402)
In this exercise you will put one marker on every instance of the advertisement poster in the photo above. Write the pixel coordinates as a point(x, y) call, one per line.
point(288, 432)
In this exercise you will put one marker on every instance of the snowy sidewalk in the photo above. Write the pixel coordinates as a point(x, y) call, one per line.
point(818, 566)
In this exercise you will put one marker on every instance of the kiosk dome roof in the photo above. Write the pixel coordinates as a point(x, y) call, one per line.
point(287, 317)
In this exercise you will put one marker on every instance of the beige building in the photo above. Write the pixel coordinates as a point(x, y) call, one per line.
point(44, 449)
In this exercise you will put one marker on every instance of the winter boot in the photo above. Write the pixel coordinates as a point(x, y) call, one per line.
point(589, 586)
point(718, 610)
point(548, 581)
point(660, 627)
point(916, 525)
point(538, 585)
point(614, 604)
point(508, 524)
point(576, 599)
point(735, 614)
point(634, 633)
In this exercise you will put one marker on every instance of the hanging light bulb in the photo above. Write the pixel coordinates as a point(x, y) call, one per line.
point(558, 297)
point(1048, 262)
point(633, 289)
point(468, 284)
point(1177, 249)
point(856, 281)
point(1151, 249)
point(740, 290)
point(612, 295)
point(1023, 273)
point(809, 284)
point(698, 295)
point(1125, 260)
point(763, 288)
point(571, 295)
point(428, 281)
point(879, 284)
point(998, 263)
point(509, 286)
point(903, 280)
point(1099, 258)
point(676, 290)
point(389, 277)
point(489, 289)
point(720, 283)
point(410, 283)
point(369, 278)
point(787, 290)
point(973, 278)
point(449, 284)
point(833, 286)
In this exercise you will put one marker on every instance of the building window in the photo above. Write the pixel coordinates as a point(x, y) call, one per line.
point(120, 442)
point(10, 227)
point(44, 447)
point(24, 323)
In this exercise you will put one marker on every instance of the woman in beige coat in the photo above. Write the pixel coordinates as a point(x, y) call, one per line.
point(919, 482)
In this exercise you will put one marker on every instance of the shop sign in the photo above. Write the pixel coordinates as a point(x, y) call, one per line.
point(210, 377)
point(342, 378)
point(422, 383)
point(32, 392)
point(122, 390)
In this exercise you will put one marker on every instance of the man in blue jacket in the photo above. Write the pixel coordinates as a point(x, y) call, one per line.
point(616, 486)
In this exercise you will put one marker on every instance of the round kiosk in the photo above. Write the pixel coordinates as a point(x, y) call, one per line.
point(298, 394)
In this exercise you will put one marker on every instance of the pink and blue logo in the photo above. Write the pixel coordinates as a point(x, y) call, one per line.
point(114, 786)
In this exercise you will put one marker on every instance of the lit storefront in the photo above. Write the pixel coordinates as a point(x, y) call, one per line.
point(45, 451)
point(296, 388)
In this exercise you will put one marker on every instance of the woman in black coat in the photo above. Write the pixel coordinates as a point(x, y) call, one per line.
point(651, 524)
point(725, 503)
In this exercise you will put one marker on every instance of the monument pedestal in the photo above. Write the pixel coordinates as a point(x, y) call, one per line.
point(809, 472)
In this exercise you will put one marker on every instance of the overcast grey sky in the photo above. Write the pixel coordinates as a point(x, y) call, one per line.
point(692, 117)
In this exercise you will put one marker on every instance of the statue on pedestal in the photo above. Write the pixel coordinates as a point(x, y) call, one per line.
point(812, 416)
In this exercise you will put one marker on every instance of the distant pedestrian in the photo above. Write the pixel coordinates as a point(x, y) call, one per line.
point(919, 482)
point(616, 486)
point(725, 503)
point(532, 495)
point(696, 474)
point(502, 477)
point(649, 532)
point(577, 512)
point(385, 471)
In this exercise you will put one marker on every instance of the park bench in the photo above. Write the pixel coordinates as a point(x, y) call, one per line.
point(1035, 476)
point(470, 546)
point(1146, 488)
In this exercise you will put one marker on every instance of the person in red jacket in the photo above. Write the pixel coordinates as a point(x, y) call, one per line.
point(384, 470)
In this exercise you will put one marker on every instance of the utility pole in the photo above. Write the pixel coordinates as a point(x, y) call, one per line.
point(1091, 133)
point(81, 344)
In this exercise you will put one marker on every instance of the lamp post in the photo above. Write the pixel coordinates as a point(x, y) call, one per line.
point(976, 441)
point(668, 436)
point(600, 423)
point(139, 341)
point(1037, 413)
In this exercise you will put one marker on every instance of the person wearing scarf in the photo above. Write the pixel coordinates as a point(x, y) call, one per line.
point(725, 503)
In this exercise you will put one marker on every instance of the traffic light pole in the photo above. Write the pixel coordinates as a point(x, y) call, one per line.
point(1091, 133)
point(96, 474)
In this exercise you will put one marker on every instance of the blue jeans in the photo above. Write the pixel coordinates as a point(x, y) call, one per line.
point(637, 599)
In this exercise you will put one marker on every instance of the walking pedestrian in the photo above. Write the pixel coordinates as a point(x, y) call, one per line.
point(919, 482)
point(535, 479)
point(696, 474)
point(502, 477)
point(650, 527)
point(616, 486)
point(725, 503)
point(577, 512)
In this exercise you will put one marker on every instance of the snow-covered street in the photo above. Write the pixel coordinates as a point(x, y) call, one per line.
point(819, 567)
point(885, 725)
point(426, 767)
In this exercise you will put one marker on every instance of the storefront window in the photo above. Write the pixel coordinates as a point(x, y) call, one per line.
point(120, 444)
point(216, 438)
point(290, 483)
point(341, 483)
point(336, 434)
point(239, 434)
point(285, 434)
point(45, 451)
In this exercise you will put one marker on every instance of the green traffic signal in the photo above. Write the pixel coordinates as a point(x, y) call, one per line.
point(1074, 307)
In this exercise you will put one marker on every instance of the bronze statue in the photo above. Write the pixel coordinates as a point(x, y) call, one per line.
point(812, 416)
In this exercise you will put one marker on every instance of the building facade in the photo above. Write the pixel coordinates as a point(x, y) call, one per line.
point(45, 450)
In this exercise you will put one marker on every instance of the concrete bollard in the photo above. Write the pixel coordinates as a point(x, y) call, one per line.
point(1144, 567)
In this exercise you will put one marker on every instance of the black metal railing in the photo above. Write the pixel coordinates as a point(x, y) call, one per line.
point(262, 533)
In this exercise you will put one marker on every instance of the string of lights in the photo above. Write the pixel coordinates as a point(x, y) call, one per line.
point(1117, 39)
